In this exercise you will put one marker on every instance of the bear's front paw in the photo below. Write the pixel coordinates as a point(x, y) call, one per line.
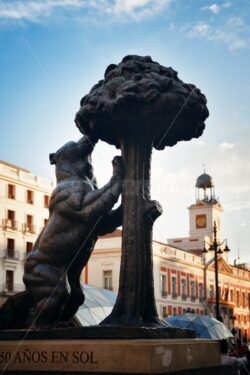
point(118, 167)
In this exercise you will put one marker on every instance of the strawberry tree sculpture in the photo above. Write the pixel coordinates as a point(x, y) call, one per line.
point(137, 106)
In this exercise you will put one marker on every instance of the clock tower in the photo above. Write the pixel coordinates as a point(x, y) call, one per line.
point(206, 210)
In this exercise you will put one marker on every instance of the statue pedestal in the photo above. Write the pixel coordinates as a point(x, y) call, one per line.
point(134, 356)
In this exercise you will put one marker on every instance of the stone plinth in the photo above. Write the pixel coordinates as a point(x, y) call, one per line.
point(138, 356)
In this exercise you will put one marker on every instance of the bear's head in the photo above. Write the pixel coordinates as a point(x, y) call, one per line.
point(74, 159)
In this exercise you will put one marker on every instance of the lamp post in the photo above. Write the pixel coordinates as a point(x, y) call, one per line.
point(216, 247)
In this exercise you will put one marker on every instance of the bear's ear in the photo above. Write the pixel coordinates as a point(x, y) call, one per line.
point(52, 158)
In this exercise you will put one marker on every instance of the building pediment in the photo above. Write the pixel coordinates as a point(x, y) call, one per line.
point(223, 266)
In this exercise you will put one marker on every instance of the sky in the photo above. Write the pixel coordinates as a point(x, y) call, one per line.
point(53, 51)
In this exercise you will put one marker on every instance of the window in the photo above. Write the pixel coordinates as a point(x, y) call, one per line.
point(29, 220)
point(10, 221)
point(200, 292)
point(11, 215)
point(107, 280)
point(163, 285)
point(192, 290)
point(237, 298)
point(174, 287)
point(184, 289)
point(29, 247)
point(11, 191)
point(164, 312)
point(231, 295)
point(29, 227)
point(30, 196)
point(243, 299)
point(10, 247)
point(211, 291)
point(9, 280)
point(46, 201)
point(174, 310)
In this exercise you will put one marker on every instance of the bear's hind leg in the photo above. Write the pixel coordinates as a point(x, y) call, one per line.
point(47, 286)
point(76, 297)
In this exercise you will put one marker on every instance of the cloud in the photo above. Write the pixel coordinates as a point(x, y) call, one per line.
point(216, 8)
point(33, 11)
point(227, 146)
point(140, 8)
point(234, 33)
point(201, 29)
point(237, 206)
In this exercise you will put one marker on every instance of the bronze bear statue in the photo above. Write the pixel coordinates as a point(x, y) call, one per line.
point(79, 212)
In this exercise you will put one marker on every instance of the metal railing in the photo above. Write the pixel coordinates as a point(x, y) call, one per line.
point(193, 298)
point(10, 224)
point(11, 288)
point(11, 254)
point(29, 228)
point(164, 293)
point(174, 295)
point(183, 297)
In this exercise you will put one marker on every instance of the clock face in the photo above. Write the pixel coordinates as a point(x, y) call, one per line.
point(201, 221)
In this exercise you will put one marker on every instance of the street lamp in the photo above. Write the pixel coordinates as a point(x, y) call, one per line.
point(216, 247)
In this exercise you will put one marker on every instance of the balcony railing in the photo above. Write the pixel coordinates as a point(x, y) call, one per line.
point(174, 295)
point(29, 228)
point(164, 293)
point(11, 288)
point(10, 224)
point(193, 298)
point(26, 254)
point(11, 254)
point(183, 297)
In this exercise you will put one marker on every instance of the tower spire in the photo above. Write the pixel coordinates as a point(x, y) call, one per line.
point(204, 167)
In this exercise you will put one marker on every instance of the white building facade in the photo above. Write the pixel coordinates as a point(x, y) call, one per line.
point(24, 201)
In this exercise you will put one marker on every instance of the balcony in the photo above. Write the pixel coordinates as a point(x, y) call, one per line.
point(26, 254)
point(193, 298)
point(174, 295)
point(10, 224)
point(11, 288)
point(164, 293)
point(212, 301)
point(29, 228)
point(184, 297)
point(11, 254)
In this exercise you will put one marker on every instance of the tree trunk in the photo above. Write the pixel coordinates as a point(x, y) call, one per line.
point(135, 305)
